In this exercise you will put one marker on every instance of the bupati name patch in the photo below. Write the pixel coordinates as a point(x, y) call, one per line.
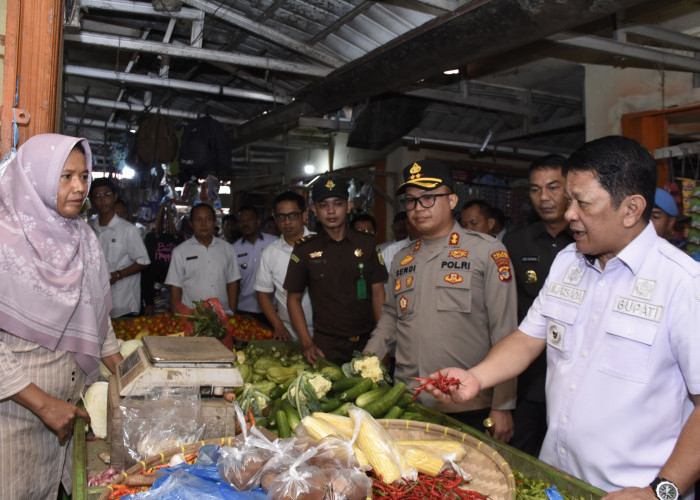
point(405, 270)
point(566, 292)
point(450, 264)
point(637, 308)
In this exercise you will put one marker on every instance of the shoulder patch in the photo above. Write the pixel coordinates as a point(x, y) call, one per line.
point(294, 258)
point(502, 260)
point(305, 239)
point(379, 255)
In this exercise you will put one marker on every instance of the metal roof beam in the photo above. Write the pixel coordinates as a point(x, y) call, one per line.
point(541, 128)
point(667, 60)
point(141, 8)
point(223, 13)
point(171, 83)
point(477, 102)
point(101, 124)
point(264, 63)
point(663, 35)
point(140, 108)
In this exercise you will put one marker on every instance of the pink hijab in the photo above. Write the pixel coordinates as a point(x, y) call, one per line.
point(54, 284)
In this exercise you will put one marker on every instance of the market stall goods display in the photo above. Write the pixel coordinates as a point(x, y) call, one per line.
point(308, 468)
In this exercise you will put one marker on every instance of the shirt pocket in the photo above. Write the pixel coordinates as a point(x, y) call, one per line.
point(453, 291)
point(626, 351)
point(317, 270)
point(560, 319)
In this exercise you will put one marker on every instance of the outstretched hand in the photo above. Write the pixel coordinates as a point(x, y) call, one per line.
point(311, 353)
point(468, 388)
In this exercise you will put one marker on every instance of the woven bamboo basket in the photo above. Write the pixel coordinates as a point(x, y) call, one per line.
point(491, 474)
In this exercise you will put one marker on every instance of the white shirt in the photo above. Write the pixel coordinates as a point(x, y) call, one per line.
point(248, 255)
point(203, 272)
point(269, 278)
point(389, 250)
point(122, 246)
point(623, 357)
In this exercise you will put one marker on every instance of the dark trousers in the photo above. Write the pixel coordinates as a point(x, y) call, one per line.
point(530, 423)
point(337, 349)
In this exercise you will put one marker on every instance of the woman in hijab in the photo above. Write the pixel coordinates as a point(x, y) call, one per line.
point(54, 312)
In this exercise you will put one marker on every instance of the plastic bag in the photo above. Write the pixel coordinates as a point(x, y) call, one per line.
point(300, 481)
point(165, 418)
point(347, 484)
point(241, 466)
point(333, 452)
point(380, 448)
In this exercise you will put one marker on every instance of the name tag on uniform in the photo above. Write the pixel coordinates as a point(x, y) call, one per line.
point(566, 292)
point(533, 258)
point(242, 255)
point(637, 308)
point(191, 258)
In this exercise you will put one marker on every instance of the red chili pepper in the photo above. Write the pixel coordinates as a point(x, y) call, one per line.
point(442, 383)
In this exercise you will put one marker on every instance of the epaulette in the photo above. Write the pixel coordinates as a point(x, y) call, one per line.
point(305, 239)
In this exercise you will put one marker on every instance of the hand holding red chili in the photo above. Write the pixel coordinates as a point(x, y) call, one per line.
point(443, 383)
point(466, 387)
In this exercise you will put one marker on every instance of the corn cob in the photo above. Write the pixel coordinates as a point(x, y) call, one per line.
point(317, 428)
point(421, 460)
point(343, 424)
point(378, 446)
point(442, 448)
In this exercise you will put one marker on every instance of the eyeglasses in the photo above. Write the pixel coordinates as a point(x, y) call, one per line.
point(292, 216)
point(426, 201)
point(98, 196)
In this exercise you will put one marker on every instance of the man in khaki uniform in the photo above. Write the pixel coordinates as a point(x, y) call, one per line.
point(450, 297)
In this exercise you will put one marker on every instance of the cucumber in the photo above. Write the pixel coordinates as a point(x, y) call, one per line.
point(342, 410)
point(330, 404)
point(380, 406)
point(412, 415)
point(277, 392)
point(291, 413)
point(283, 429)
point(357, 389)
point(406, 399)
point(345, 383)
point(369, 396)
point(394, 412)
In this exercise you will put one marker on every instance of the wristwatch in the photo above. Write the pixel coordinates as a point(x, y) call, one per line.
point(664, 489)
point(119, 275)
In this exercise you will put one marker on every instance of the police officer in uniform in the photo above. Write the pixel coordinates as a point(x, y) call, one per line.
point(451, 297)
point(532, 250)
point(345, 274)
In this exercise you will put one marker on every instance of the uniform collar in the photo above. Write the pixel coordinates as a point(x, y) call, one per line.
point(635, 253)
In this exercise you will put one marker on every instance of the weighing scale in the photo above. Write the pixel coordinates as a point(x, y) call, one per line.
point(178, 362)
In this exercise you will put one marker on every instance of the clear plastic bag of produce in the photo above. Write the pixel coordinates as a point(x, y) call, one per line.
point(300, 481)
point(334, 452)
point(241, 466)
point(165, 418)
point(347, 484)
point(379, 448)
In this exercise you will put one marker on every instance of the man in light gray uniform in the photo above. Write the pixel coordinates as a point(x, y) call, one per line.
point(450, 297)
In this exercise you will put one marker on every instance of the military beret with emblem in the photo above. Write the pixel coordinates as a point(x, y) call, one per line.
point(426, 174)
point(327, 187)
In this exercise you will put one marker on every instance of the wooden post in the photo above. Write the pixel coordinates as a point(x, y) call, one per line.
point(36, 30)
